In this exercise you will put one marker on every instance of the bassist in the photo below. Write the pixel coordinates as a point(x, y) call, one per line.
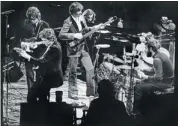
point(71, 29)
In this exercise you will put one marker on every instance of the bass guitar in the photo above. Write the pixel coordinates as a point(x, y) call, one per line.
point(75, 45)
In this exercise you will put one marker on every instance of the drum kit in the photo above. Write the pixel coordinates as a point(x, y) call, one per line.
point(122, 76)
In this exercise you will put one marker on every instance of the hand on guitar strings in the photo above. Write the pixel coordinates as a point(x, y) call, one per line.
point(25, 55)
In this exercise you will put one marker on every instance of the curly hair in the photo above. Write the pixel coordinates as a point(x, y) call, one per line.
point(88, 12)
point(74, 7)
point(33, 12)
point(48, 33)
point(153, 43)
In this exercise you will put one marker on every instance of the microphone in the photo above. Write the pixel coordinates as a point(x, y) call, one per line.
point(8, 12)
point(54, 5)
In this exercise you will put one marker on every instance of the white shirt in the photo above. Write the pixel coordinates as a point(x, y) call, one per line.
point(78, 22)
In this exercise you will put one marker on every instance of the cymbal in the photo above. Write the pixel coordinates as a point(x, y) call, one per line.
point(129, 54)
point(126, 67)
point(123, 40)
point(102, 46)
point(113, 58)
point(118, 40)
point(103, 31)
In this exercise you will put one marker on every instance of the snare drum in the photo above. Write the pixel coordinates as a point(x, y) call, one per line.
point(107, 70)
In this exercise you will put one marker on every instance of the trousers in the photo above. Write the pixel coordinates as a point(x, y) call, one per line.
point(87, 63)
point(145, 88)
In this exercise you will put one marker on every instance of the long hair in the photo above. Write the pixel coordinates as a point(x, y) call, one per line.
point(88, 12)
point(48, 33)
point(33, 12)
point(74, 7)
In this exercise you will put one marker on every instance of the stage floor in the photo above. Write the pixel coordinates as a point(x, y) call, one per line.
point(17, 93)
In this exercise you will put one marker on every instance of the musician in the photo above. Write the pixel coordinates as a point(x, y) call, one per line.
point(145, 62)
point(71, 29)
point(163, 77)
point(89, 16)
point(50, 71)
point(31, 28)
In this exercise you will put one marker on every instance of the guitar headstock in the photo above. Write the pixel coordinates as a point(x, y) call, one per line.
point(112, 19)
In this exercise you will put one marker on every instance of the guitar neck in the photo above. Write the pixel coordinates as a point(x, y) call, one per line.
point(93, 31)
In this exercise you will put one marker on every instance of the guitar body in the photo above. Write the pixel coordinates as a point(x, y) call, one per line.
point(75, 46)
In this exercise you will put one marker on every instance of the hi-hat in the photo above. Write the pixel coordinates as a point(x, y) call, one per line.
point(113, 58)
point(123, 40)
point(126, 67)
point(102, 46)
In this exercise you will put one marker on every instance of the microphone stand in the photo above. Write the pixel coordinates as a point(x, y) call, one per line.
point(131, 87)
point(6, 14)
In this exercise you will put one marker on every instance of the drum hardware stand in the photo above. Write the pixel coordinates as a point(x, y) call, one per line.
point(112, 66)
point(6, 14)
point(95, 63)
point(131, 86)
point(95, 41)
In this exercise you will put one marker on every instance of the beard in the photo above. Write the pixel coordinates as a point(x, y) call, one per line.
point(149, 54)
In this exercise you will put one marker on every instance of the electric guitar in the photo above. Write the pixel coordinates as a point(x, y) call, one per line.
point(29, 46)
point(75, 45)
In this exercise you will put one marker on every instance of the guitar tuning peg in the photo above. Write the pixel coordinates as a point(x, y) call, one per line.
point(115, 17)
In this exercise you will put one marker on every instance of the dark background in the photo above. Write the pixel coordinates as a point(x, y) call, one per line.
point(138, 16)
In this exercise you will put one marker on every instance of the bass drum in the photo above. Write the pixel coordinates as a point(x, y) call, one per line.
point(107, 70)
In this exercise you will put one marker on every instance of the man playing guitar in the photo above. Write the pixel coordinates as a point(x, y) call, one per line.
point(48, 60)
point(71, 29)
point(31, 28)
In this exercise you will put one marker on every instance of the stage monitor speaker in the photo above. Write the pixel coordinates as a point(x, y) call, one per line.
point(48, 114)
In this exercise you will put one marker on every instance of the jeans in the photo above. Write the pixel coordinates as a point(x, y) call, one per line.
point(146, 88)
point(87, 63)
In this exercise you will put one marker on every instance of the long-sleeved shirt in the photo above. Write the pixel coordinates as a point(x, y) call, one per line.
point(50, 64)
point(30, 31)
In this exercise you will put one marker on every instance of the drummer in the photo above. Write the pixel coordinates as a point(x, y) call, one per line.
point(145, 62)
point(161, 80)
